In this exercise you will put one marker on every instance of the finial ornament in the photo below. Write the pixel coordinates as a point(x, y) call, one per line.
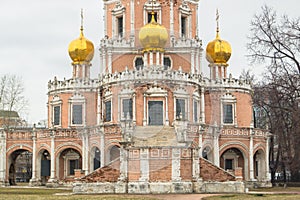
point(81, 27)
point(217, 19)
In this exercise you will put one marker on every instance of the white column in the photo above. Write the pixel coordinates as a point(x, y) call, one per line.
point(104, 61)
point(109, 61)
point(216, 146)
point(202, 104)
point(98, 108)
point(102, 148)
point(145, 106)
point(133, 109)
point(151, 58)
point(101, 62)
point(197, 61)
point(145, 59)
point(83, 71)
point(123, 164)
point(268, 174)
point(200, 141)
point(167, 111)
point(162, 58)
point(132, 19)
point(174, 109)
point(196, 164)
point(33, 178)
point(176, 164)
point(251, 155)
point(144, 164)
point(157, 58)
point(171, 20)
point(2, 156)
point(52, 167)
point(192, 61)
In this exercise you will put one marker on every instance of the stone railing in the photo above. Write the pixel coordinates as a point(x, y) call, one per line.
point(25, 134)
point(59, 133)
point(150, 73)
point(72, 84)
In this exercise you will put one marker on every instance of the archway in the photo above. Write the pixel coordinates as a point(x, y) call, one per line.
point(114, 153)
point(232, 159)
point(20, 166)
point(43, 166)
point(259, 163)
point(95, 160)
point(207, 153)
point(69, 160)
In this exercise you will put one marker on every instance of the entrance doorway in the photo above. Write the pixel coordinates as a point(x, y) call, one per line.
point(155, 113)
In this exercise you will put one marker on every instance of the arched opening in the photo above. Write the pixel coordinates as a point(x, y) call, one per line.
point(232, 160)
point(207, 153)
point(20, 166)
point(45, 166)
point(69, 160)
point(96, 158)
point(114, 153)
point(259, 163)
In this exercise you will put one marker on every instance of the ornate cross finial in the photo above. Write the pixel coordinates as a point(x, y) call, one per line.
point(217, 19)
point(81, 28)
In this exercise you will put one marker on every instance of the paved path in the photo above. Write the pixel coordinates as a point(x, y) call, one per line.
point(181, 196)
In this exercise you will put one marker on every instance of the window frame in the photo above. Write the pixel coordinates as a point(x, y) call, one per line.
point(228, 99)
point(77, 99)
point(184, 115)
point(73, 114)
point(54, 115)
point(135, 60)
point(106, 110)
point(54, 103)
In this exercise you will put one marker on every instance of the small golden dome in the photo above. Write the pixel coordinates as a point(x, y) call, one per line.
point(153, 36)
point(81, 49)
point(218, 51)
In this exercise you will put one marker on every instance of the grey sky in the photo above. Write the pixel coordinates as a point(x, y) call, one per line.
point(35, 35)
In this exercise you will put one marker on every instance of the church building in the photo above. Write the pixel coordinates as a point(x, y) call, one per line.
point(150, 122)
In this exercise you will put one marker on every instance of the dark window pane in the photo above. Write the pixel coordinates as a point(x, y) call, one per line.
point(127, 108)
point(180, 109)
point(56, 115)
point(183, 26)
point(139, 63)
point(77, 114)
point(227, 114)
point(108, 111)
point(120, 26)
point(155, 113)
point(228, 164)
point(167, 63)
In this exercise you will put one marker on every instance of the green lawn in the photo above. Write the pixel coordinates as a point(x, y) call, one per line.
point(7, 193)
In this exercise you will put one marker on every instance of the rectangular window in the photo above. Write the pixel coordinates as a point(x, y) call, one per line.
point(227, 114)
point(195, 111)
point(167, 63)
point(127, 108)
point(183, 26)
point(107, 111)
point(228, 164)
point(150, 17)
point(120, 26)
point(180, 109)
point(77, 114)
point(56, 115)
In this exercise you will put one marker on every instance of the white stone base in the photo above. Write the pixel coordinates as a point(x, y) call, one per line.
point(159, 187)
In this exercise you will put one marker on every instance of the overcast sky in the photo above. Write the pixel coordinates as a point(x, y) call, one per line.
point(35, 34)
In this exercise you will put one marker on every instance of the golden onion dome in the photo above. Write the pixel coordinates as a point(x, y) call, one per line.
point(218, 51)
point(153, 36)
point(81, 49)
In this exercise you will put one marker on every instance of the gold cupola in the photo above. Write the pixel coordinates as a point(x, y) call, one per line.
point(81, 49)
point(218, 51)
point(153, 36)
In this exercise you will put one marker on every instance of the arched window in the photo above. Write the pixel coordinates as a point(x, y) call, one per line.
point(139, 63)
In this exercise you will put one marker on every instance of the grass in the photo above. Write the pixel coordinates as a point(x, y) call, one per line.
point(7, 193)
point(254, 197)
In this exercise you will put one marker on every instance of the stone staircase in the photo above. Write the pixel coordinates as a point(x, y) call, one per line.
point(154, 136)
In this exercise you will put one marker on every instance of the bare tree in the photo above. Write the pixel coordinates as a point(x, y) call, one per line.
point(276, 43)
point(12, 100)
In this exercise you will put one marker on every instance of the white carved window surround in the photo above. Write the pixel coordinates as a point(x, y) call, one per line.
point(77, 107)
point(55, 111)
point(126, 104)
point(181, 96)
point(155, 7)
point(185, 18)
point(118, 19)
point(228, 110)
point(107, 107)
